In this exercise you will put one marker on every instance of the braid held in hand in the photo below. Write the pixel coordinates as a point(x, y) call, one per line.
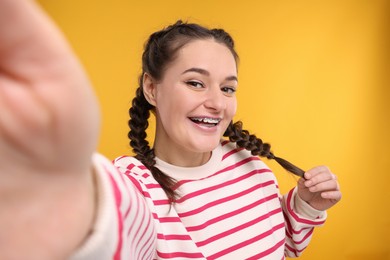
point(250, 142)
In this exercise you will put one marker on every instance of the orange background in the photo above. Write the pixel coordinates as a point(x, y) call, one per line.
point(314, 82)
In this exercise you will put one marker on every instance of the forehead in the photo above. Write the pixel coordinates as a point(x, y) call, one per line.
point(207, 54)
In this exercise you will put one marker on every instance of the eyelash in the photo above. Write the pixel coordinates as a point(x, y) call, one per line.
point(194, 84)
point(227, 90)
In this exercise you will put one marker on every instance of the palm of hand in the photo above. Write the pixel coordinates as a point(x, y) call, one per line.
point(47, 108)
point(48, 131)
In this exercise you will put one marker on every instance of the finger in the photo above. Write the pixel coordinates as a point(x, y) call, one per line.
point(30, 40)
point(331, 185)
point(332, 195)
point(22, 114)
point(320, 177)
point(316, 170)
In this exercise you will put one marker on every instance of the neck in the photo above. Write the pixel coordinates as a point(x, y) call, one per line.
point(175, 153)
point(181, 158)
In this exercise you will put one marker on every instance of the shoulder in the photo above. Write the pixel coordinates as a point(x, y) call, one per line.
point(127, 164)
point(136, 171)
point(242, 161)
point(231, 152)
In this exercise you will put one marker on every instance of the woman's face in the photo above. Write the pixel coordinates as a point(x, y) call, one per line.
point(195, 100)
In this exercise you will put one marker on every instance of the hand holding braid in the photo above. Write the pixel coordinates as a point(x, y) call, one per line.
point(250, 142)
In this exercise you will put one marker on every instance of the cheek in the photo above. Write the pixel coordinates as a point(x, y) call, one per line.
point(232, 108)
point(165, 101)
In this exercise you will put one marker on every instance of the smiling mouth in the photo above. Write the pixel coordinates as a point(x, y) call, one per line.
point(206, 121)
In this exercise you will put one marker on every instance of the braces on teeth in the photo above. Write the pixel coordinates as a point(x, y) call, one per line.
point(207, 120)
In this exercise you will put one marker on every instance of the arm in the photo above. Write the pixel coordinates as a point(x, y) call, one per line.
point(305, 206)
point(48, 131)
point(301, 219)
point(123, 227)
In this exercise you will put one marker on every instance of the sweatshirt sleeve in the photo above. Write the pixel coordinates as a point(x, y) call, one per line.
point(123, 226)
point(301, 219)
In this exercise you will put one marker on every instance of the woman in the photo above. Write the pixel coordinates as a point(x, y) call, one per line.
point(190, 196)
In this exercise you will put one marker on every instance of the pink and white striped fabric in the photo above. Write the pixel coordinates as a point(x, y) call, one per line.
point(229, 208)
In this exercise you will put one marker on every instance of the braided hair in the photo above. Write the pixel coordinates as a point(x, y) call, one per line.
point(160, 49)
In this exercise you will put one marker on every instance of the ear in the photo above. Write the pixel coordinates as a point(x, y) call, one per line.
point(149, 88)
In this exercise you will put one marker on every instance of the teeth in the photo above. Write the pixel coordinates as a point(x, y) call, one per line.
point(206, 120)
point(210, 120)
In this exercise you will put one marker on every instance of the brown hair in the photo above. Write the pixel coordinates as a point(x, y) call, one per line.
point(160, 49)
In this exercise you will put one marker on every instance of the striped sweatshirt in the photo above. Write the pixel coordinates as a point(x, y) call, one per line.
point(228, 208)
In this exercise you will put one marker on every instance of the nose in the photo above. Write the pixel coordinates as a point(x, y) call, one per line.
point(215, 99)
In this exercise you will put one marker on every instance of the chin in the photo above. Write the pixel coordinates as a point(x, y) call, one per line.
point(206, 145)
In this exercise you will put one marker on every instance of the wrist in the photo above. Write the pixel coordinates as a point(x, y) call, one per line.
point(40, 209)
point(304, 209)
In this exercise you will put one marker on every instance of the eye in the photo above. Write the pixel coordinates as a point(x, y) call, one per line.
point(195, 84)
point(229, 90)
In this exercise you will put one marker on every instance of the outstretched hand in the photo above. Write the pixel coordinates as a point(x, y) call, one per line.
point(320, 188)
point(47, 108)
point(49, 123)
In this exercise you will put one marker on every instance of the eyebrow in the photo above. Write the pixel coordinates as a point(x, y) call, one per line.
point(206, 73)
